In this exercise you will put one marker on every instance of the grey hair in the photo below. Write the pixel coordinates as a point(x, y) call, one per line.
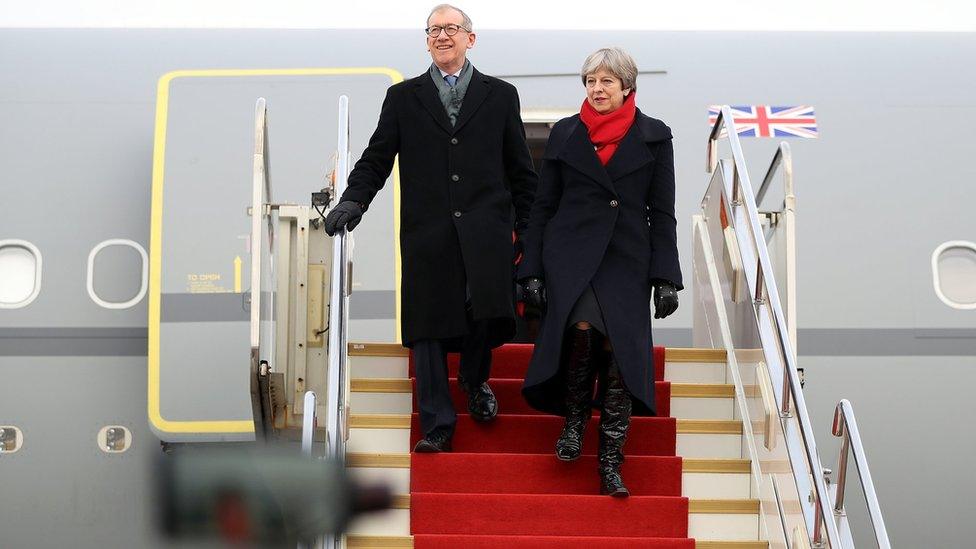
point(615, 61)
point(465, 20)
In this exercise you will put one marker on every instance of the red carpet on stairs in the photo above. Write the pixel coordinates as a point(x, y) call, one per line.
point(509, 391)
point(502, 486)
point(510, 362)
point(448, 541)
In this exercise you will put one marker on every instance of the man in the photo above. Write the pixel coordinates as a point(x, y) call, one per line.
point(464, 164)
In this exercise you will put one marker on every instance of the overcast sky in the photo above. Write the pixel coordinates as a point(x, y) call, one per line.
point(844, 15)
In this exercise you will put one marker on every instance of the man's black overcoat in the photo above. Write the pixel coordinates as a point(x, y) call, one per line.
point(610, 226)
point(457, 188)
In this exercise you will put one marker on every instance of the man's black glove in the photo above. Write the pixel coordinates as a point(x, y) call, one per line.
point(345, 215)
point(534, 292)
point(665, 299)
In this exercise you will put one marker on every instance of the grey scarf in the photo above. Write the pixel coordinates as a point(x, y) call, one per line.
point(451, 98)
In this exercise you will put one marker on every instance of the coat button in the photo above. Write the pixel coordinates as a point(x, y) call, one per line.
point(457, 213)
point(454, 141)
point(455, 177)
point(614, 203)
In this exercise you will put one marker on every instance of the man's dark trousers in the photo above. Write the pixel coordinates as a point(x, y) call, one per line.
point(430, 367)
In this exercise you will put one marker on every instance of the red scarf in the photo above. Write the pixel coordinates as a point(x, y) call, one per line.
point(606, 130)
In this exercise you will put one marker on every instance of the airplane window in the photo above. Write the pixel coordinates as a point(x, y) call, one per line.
point(20, 273)
point(112, 274)
point(954, 274)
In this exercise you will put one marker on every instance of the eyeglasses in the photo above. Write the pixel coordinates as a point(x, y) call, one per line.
point(435, 30)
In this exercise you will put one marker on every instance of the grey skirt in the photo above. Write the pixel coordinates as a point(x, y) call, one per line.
point(587, 309)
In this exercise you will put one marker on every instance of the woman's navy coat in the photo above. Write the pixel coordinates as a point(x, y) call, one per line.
point(612, 226)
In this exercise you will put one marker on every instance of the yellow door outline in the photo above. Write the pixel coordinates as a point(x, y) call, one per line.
point(156, 419)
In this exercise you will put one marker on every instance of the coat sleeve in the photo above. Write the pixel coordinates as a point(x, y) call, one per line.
point(543, 208)
point(374, 166)
point(519, 171)
point(663, 226)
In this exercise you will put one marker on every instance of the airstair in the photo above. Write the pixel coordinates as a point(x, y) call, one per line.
point(742, 451)
point(750, 468)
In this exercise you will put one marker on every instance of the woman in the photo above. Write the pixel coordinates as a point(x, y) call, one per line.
point(600, 235)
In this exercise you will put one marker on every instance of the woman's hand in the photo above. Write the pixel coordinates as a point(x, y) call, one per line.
point(534, 292)
point(665, 299)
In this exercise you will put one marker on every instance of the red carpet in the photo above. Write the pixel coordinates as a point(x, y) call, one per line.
point(536, 434)
point(449, 541)
point(539, 474)
point(503, 487)
point(510, 362)
point(509, 394)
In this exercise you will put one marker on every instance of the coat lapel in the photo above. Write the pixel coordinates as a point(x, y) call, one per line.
point(578, 152)
point(427, 94)
point(632, 153)
point(478, 90)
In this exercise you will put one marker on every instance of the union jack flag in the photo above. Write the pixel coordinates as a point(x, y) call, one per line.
point(769, 121)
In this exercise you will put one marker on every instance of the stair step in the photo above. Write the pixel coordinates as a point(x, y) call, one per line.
point(399, 542)
point(730, 466)
point(702, 479)
point(684, 390)
point(747, 506)
point(468, 541)
point(512, 361)
point(396, 396)
point(362, 367)
point(402, 421)
point(680, 400)
point(389, 360)
point(672, 354)
point(732, 526)
point(729, 528)
point(688, 445)
point(488, 473)
point(518, 514)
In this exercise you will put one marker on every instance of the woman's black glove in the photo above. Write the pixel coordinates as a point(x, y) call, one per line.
point(345, 215)
point(665, 299)
point(534, 292)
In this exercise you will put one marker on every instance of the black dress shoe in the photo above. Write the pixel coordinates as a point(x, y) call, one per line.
point(482, 404)
point(437, 441)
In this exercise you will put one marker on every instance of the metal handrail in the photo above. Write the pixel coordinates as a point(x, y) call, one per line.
point(784, 158)
point(341, 285)
point(338, 308)
point(259, 210)
point(259, 184)
point(785, 214)
point(845, 427)
point(308, 423)
point(766, 294)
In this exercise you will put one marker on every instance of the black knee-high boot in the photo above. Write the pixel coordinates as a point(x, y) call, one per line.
point(614, 422)
point(579, 393)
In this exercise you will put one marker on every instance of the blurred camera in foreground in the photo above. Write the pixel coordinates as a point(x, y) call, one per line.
point(260, 497)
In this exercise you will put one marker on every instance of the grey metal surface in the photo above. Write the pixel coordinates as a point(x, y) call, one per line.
point(205, 377)
point(78, 110)
point(60, 489)
point(851, 342)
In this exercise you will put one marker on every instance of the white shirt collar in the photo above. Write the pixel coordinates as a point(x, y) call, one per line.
point(457, 74)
